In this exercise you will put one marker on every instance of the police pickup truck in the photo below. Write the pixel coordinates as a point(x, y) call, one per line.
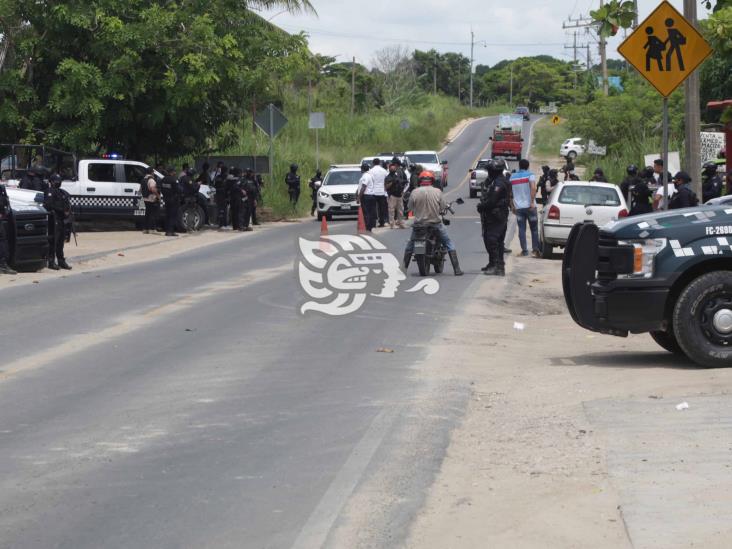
point(669, 274)
point(104, 188)
point(26, 226)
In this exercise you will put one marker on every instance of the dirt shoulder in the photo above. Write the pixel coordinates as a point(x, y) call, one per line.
point(530, 466)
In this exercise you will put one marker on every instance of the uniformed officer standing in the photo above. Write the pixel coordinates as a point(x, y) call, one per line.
point(4, 219)
point(712, 183)
point(292, 179)
point(236, 197)
point(251, 199)
point(314, 185)
point(170, 190)
point(221, 195)
point(58, 204)
point(495, 201)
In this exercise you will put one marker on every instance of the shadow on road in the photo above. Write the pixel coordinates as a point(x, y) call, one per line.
point(630, 359)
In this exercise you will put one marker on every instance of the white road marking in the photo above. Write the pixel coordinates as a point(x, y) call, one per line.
point(318, 526)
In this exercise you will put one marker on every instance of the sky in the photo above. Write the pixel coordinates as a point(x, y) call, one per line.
point(503, 30)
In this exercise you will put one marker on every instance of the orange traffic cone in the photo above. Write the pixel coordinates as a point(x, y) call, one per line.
point(410, 215)
point(361, 221)
point(324, 226)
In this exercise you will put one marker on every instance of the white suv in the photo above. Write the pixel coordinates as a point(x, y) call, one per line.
point(572, 148)
point(337, 194)
point(430, 161)
point(578, 202)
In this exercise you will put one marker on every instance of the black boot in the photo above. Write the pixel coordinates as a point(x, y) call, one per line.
point(407, 260)
point(63, 265)
point(488, 267)
point(455, 264)
point(498, 270)
point(52, 265)
point(5, 269)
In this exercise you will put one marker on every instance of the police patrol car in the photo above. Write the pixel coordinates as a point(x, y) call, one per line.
point(669, 274)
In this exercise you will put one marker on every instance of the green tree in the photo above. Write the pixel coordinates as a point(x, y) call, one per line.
point(144, 77)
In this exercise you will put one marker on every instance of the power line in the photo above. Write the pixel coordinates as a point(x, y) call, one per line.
point(408, 41)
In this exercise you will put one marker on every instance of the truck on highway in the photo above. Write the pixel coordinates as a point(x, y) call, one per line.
point(507, 140)
point(668, 274)
point(105, 188)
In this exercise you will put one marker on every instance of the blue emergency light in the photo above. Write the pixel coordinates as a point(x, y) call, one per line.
point(112, 156)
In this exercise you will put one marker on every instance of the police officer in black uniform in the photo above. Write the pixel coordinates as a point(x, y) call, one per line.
point(236, 197)
point(314, 185)
point(32, 180)
point(495, 201)
point(4, 220)
point(221, 195)
point(170, 190)
point(251, 199)
point(684, 196)
point(712, 183)
point(542, 184)
point(58, 204)
point(292, 179)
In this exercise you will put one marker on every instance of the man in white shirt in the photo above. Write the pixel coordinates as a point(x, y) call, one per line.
point(365, 197)
point(378, 173)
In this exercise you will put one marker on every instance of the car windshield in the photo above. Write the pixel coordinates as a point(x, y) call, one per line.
point(424, 159)
point(482, 165)
point(586, 195)
point(343, 178)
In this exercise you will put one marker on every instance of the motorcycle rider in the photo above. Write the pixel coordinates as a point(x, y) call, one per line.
point(427, 202)
point(314, 184)
point(4, 218)
point(712, 183)
point(495, 201)
point(58, 203)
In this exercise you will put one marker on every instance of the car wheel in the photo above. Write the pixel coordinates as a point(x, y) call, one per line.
point(191, 218)
point(571, 155)
point(547, 251)
point(473, 193)
point(667, 340)
point(702, 320)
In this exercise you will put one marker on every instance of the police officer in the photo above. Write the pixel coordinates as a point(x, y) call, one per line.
point(599, 176)
point(33, 181)
point(292, 179)
point(4, 219)
point(251, 201)
point(630, 181)
point(542, 184)
point(712, 183)
point(641, 196)
point(170, 190)
point(221, 195)
point(58, 204)
point(189, 187)
point(495, 201)
point(684, 196)
point(314, 185)
point(236, 197)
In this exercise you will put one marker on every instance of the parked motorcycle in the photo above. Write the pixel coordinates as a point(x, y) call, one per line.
point(429, 251)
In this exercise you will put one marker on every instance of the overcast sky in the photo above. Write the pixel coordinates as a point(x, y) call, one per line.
point(510, 29)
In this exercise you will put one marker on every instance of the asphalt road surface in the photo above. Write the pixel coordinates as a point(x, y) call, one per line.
point(184, 402)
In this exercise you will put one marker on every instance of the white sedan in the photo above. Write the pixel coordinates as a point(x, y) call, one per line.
point(575, 202)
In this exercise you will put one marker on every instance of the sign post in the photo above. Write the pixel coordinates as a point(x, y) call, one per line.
point(271, 121)
point(317, 122)
point(666, 49)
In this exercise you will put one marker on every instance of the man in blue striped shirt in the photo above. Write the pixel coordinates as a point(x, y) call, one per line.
point(523, 184)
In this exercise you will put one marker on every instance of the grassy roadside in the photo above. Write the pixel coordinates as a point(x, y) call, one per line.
point(548, 138)
point(348, 139)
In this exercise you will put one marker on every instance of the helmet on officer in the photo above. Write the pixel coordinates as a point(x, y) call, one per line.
point(294, 168)
point(632, 169)
point(55, 180)
point(709, 168)
point(496, 167)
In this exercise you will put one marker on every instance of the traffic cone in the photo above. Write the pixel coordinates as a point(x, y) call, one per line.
point(325, 245)
point(410, 215)
point(361, 221)
point(324, 226)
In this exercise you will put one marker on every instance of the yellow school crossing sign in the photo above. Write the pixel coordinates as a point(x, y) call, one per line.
point(665, 48)
point(555, 120)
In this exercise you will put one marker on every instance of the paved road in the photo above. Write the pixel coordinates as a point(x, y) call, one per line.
point(184, 403)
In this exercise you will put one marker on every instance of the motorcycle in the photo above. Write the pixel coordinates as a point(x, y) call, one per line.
point(429, 251)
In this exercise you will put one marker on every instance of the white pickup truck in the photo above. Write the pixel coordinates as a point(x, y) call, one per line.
point(111, 189)
point(99, 188)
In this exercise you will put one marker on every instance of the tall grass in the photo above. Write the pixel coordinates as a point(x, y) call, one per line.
point(548, 138)
point(347, 140)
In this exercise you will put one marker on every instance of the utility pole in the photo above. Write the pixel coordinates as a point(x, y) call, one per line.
point(434, 76)
point(635, 8)
point(692, 148)
point(353, 87)
point(472, 48)
point(510, 96)
point(603, 60)
point(574, 48)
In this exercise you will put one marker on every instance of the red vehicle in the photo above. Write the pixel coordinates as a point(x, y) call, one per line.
point(507, 140)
